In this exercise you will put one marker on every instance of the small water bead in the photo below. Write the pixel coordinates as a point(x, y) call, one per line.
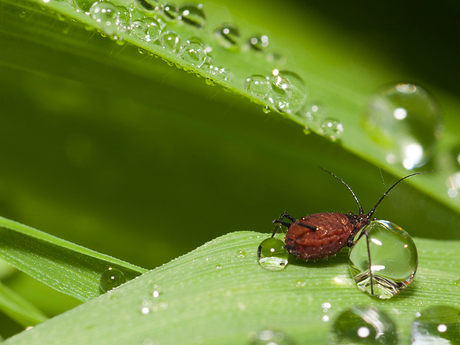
point(436, 325)
point(393, 256)
point(258, 43)
point(363, 325)
point(240, 253)
point(272, 254)
point(194, 53)
point(111, 278)
point(106, 15)
point(288, 92)
point(266, 109)
point(160, 20)
point(331, 128)
point(192, 14)
point(258, 85)
point(219, 72)
point(149, 5)
point(405, 120)
point(457, 282)
point(124, 18)
point(170, 40)
point(228, 35)
point(170, 10)
point(268, 337)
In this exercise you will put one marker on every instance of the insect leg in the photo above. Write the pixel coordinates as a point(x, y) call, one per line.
point(280, 221)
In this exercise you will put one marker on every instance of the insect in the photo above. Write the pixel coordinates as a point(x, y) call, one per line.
point(321, 235)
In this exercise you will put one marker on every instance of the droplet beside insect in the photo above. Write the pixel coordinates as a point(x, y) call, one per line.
point(272, 254)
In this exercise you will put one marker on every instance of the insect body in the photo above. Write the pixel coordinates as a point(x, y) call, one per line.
point(321, 235)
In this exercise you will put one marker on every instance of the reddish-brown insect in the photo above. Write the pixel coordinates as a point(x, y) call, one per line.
point(322, 235)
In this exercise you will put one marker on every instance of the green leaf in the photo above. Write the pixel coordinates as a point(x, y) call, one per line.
point(214, 295)
point(64, 266)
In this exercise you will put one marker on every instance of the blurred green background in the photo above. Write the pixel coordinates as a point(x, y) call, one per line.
point(130, 157)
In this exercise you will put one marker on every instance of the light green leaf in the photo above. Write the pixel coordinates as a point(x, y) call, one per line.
point(213, 295)
point(64, 266)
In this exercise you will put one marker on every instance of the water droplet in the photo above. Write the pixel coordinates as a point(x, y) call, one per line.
point(218, 267)
point(272, 254)
point(160, 20)
point(111, 278)
point(170, 40)
point(436, 325)
point(258, 43)
point(219, 72)
point(363, 325)
point(149, 5)
point(193, 53)
point(406, 121)
point(258, 85)
point(266, 109)
point(106, 15)
point(300, 283)
point(145, 29)
point(276, 58)
point(228, 35)
point(83, 5)
point(170, 10)
point(124, 18)
point(268, 337)
point(156, 291)
point(210, 82)
point(331, 128)
point(147, 306)
point(393, 257)
point(240, 253)
point(457, 282)
point(453, 185)
point(193, 14)
point(288, 92)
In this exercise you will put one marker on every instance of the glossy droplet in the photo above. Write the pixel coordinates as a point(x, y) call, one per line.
point(266, 109)
point(258, 43)
point(314, 112)
point(363, 325)
point(83, 5)
point(124, 18)
point(111, 278)
point(437, 325)
point(219, 72)
point(457, 282)
point(194, 53)
point(149, 5)
point(268, 337)
point(393, 256)
point(272, 254)
point(240, 253)
point(288, 92)
point(106, 15)
point(145, 29)
point(405, 120)
point(171, 10)
point(453, 185)
point(228, 35)
point(258, 85)
point(331, 128)
point(193, 14)
point(170, 40)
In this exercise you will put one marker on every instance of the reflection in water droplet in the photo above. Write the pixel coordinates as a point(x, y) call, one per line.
point(331, 128)
point(405, 120)
point(194, 53)
point(266, 109)
point(272, 254)
point(106, 15)
point(453, 185)
point(363, 325)
point(393, 257)
point(193, 14)
point(240, 253)
point(170, 10)
point(110, 279)
point(268, 337)
point(149, 5)
point(436, 325)
point(228, 35)
point(170, 40)
point(258, 43)
point(288, 92)
point(146, 29)
point(258, 85)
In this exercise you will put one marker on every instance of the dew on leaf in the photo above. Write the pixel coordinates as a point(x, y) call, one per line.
point(272, 255)
point(192, 14)
point(170, 10)
point(106, 15)
point(194, 53)
point(228, 35)
point(258, 43)
point(110, 279)
point(269, 337)
point(170, 40)
point(436, 325)
point(258, 85)
point(331, 128)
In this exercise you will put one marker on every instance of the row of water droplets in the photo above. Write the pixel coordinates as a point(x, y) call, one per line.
point(393, 256)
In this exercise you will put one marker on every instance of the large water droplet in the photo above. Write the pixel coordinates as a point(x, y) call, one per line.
point(228, 35)
point(438, 325)
point(145, 29)
point(331, 128)
point(268, 337)
point(288, 92)
point(258, 85)
point(272, 254)
point(106, 15)
point(170, 10)
point(193, 52)
point(111, 278)
point(363, 325)
point(405, 120)
point(170, 40)
point(393, 257)
point(258, 42)
point(193, 14)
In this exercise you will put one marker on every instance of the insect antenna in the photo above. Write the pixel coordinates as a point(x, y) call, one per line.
point(369, 215)
point(351, 191)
